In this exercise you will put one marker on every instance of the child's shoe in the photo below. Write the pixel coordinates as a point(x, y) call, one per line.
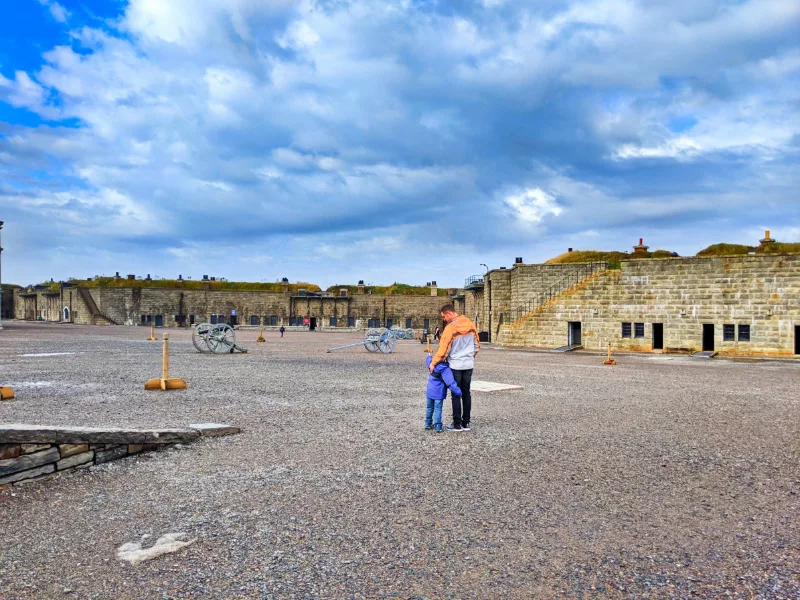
point(439, 429)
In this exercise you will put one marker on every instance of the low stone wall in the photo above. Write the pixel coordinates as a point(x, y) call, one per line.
point(32, 451)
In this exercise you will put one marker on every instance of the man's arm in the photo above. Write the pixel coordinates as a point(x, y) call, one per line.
point(444, 346)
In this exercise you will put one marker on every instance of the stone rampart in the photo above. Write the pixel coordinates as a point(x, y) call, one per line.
point(752, 303)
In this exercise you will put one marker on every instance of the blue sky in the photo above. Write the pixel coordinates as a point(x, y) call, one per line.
point(385, 140)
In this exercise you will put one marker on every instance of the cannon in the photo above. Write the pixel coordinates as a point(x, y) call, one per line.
point(383, 340)
point(402, 334)
point(217, 339)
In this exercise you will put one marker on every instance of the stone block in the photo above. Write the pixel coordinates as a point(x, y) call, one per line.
point(41, 434)
point(10, 451)
point(75, 460)
point(28, 474)
point(67, 450)
point(28, 461)
point(135, 448)
point(28, 448)
point(214, 429)
point(104, 456)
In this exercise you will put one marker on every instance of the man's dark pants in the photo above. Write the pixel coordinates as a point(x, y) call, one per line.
point(462, 406)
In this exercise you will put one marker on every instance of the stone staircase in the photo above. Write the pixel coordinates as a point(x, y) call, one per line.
point(514, 325)
point(98, 318)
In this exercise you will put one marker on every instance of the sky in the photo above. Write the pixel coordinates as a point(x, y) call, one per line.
point(389, 140)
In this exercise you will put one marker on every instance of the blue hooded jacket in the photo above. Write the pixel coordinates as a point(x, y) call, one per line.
point(440, 380)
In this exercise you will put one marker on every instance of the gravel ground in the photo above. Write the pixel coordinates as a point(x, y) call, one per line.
point(662, 477)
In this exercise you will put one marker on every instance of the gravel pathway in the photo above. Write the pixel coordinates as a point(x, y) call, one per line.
point(656, 478)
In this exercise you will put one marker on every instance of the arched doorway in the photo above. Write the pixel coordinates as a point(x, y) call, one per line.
point(66, 315)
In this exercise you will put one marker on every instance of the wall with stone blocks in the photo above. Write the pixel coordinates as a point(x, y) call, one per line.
point(30, 452)
point(126, 306)
point(683, 294)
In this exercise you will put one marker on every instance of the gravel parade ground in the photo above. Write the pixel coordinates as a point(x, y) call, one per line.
point(662, 477)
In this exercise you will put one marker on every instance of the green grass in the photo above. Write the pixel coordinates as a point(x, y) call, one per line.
point(612, 257)
point(192, 284)
point(739, 249)
point(396, 289)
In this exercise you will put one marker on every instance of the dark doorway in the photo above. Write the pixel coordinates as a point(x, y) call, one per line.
point(574, 338)
point(797, 339)
point(658, 336)
point(708, 337)
point(191, 319)
point(232, 321)
point(312, 324)
point(159, 320)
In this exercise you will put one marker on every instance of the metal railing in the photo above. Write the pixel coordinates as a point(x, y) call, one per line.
point(580, 274)
point(473, 281)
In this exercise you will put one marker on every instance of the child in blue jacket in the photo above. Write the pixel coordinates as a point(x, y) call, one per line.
point(438, 382)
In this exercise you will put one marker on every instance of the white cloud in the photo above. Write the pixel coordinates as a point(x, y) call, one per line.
point(532, 205)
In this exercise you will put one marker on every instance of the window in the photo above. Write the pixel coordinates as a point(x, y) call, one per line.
point(638, 329)
point(273, 320)
point(427, 324)
point(351, 321)
point(213, 319)
point(626, 330)
point(333, 321)
point(729, 333)
point(408, 323)
point(220, 318)
point(744, 333)
point(389, 323)
point(253, 320)
point(144, 319)
point(292, 321)
point(373, 323)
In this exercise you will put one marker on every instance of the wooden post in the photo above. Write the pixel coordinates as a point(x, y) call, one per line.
point(152, 337)
point(165, 360)
point(609, 361)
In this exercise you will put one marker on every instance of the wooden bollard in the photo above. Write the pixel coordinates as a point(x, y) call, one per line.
point(165, 382)
point(152, 337)
point(610, 361)
point(261, 335)
point(6, 392)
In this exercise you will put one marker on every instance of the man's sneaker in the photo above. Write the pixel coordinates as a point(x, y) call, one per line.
point(465, 427)
point(453, 428)
point(428, 428)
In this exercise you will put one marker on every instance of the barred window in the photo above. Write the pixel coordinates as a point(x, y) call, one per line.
point(744, 333)
point(626, 330)
point(333, 321)
point(427, 324)
point(389, 323)
point(728, 333)
point(292, 321)
point(408, 323)
point(351, 321)
point(273, 320)
point(253, 320)
point(639, 330)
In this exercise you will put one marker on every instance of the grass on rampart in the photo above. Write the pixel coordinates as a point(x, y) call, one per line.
point(193, 284)
point(396, 289)
point(613, 258)
point(739, 249)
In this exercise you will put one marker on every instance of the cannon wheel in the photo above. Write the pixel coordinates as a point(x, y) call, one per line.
point(200, 336)
point(371, 340)
point(387, 342)
point(222, 339)
point(409, 334)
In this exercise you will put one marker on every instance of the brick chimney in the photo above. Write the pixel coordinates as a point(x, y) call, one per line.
point(434, 289)
point(360, 287)
point(285, 285)
point(641, 248)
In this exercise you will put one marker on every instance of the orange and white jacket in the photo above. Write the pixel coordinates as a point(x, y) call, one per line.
point(459, 344)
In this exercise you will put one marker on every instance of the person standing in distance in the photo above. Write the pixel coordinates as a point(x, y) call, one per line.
point(458, 345)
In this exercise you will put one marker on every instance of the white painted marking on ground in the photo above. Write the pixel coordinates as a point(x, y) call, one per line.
point(491, 386)
point(49, 354)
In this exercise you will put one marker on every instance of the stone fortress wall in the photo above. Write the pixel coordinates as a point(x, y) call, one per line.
point(747, 305)
point(162, 306)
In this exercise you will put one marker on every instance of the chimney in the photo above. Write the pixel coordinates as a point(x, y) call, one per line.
point(131, 277)
point(148, 278)
point(205, 277)
point(360, 287)
point(285, 285)
point(434, 289)
point(641, 248)
point(569, 249)
point(767, 239)
point(116, 276)
point(518, 260)
point(212, 279)
point(180, 277)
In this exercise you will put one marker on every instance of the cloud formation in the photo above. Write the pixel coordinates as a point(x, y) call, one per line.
point(395, 140)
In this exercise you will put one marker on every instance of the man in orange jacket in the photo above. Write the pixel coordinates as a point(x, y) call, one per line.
point(458, 345)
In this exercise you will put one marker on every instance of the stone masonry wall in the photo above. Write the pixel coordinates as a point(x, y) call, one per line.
point(683, 294)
